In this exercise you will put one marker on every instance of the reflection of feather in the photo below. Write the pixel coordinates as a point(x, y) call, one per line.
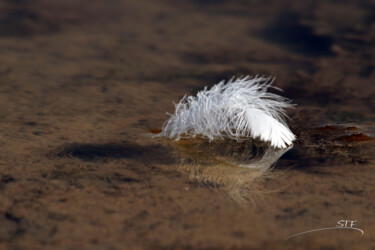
point(240, 109)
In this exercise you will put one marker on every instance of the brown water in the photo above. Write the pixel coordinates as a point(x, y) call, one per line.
point(83, 82)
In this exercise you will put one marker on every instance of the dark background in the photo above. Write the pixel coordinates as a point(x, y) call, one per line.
point(83, 82)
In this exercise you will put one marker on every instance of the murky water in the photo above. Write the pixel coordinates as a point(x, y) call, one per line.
point(83, 82)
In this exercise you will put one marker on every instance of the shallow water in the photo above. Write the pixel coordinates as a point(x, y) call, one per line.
point(83, 82)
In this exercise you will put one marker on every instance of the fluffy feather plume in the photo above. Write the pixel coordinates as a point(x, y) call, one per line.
point(240, 109)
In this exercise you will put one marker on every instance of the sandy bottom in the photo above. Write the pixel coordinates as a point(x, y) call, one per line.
point(82, 83)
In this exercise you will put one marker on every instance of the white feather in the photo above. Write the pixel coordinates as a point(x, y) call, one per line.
point(240, 109)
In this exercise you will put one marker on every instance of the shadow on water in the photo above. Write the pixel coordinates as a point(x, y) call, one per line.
point(107, 151)
point(5, 179)
point(23, 21)
point(287, 31)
